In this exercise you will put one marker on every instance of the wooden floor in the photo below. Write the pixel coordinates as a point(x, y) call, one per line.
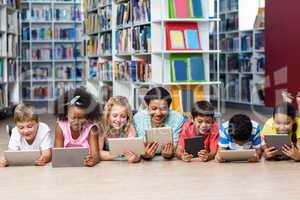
point(155, 180)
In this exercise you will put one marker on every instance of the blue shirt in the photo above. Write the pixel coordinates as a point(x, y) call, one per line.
point(174, 120)
point(225, 141)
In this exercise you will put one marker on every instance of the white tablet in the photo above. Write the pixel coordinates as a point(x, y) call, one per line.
point(69, 157)
point(161, 135)
point(237, 155)
point(117, 146)
point(21, 158)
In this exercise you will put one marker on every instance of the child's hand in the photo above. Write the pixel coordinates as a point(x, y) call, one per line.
point(203, 155)
point(41, 161)
point(167, 151)
point(3, 163)
point(254, 158)
point(89, 161)
point(270, 152)
point(287, 97)
point(131, 157)
point(291, 152)
point(186, 157)
point(218, 158)
point(150, 150)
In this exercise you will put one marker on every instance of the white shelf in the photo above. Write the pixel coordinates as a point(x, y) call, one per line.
point(187, 51)
point(186, 20)
point(179, 83)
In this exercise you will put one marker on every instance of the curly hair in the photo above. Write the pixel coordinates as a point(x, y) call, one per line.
point(80, 98)
point(116, 100)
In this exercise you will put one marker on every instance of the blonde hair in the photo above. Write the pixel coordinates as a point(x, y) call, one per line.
point(116, 100)
point(25, 113)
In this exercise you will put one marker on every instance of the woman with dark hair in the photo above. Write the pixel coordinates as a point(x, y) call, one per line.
point(158, 114)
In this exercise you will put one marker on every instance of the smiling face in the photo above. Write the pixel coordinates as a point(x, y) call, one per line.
point(28, 130)
point(159, 110)
point(118, 117)
point(76, 117)
point(283, 123)
point(203, 124)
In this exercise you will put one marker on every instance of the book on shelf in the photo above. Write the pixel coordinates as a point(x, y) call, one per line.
point(105, 18)
point(92, 4)
point(25, 34)
point(185, 8)
point(260, 63)
point(139, 94)
point(103, 3)
point(68, 51)
point(93, 69)
point(123, 14)
point(68, 13)
point(25, 14)
point(2, 70)
point(233, 63)
point(187, 68)
point(62, 87)
point(41, 33)
point(105, 70)
point(245, 62)
point(232, 5)
point(3, 97)
point(122, 70)
point(12, 23)
point(105, 44)
point(106, 91)
point(12, 69)
point(230, 23)
point(246, 88)
point(68, 33)
point(12, 45)
point(246, 42)
point(141, 11)
point(183, 97)
point(260, 40)
point(92, 46)
point(43, 13)
point(41, 72)
point(123, 41)
point(92, 23)
point(68, 72)
point(41, 53)
point(229, 43)
point(182, 36)
point(141, 39)
point(40, 91)
point(233, 88)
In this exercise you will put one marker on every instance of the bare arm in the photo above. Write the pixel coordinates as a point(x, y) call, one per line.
point(104, 155)
point(59, 137)
point(93, 157)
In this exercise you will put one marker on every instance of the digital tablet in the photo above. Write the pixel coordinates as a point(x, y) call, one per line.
point(278, 141)
point(69, 157)
point(117, 146)
point(193, 145)
point(21, 158)
point(237, 155)
point(161, 135)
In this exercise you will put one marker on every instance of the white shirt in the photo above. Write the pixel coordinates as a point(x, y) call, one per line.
point(42, 141)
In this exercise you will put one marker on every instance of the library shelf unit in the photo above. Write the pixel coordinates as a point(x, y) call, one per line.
point(52, 50)
point(9, 59)
point(242, 57)
point(152, 56)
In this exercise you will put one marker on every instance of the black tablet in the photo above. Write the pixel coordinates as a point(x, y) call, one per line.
point(194, 145)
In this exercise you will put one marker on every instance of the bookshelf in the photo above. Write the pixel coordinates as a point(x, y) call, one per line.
point(52, 55)
point(9, 59)
point(242, 59)
point(139, 57)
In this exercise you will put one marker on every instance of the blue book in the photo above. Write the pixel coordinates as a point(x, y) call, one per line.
point(197, 8)
point(187, 100)
point(196, 68)
point(180, 70)
point(192, 39)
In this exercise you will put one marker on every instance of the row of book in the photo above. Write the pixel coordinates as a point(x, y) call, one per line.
point(260, 41)
point(64, 51)
point(141, 11)
point(230, 43)
point(182, 36)
point(12, 70)
point(246, 42)
point(92, 46)
point(233, 63)
point(245, 62)
point(39, 33)
point(228, 5)
point(123, 41)
point(123, 14)
point(105, 18)
point(141, 39)
point(37, 14)
point(92, 4)
point(231, 23)
point(187, 68)
point(105, 44)
point(93, 23)
point(68, 33)
point(185, 8)
point(137, 71)
point(36, 92)
point(12, 23)
point(41, 72)
point(246, 88)
point(68, 13)
point(233, 88)
point(62, 87)
point(68, 72)
point(3, 96)
point(101, 70)
point(41, 53)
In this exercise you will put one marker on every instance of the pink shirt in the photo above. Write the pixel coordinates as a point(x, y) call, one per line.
point(82, 140)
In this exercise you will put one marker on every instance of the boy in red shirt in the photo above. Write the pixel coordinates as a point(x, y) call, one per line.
point(202, 124)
